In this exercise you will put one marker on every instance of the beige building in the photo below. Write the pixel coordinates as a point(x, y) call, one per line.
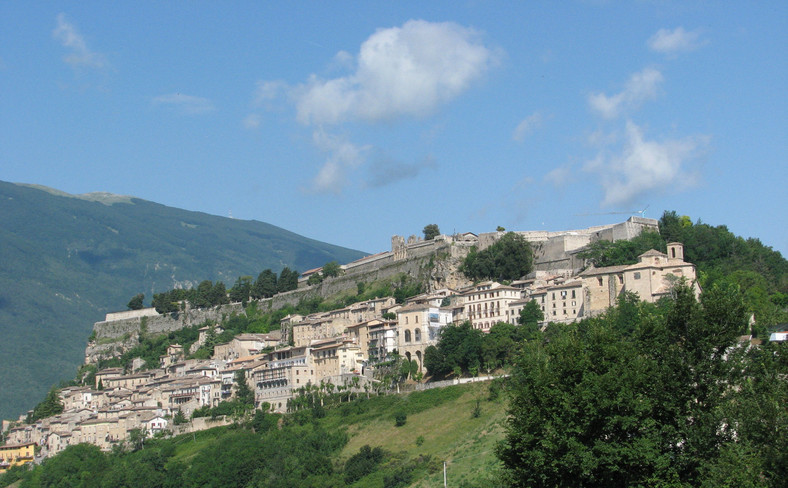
point(418, 327)
point(487, 303)
point(652, 278)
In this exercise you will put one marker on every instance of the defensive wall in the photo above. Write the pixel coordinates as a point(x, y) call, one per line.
point(434, 262)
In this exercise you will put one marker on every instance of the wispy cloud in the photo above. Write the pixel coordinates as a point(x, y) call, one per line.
point(80, 55)
point(640, 87)
point(408, 70)
point(187, 104)
point(526, 126)
point(641, 166)
point(672, 42)
point(384, 171)
point(251, 121)
point(342, 155)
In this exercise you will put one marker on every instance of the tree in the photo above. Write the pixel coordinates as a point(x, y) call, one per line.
point(605, 405)
point(288, 280)
point(49, 406)
point(431, 231)
point(243, 393)
point(241, 290)
point(136, 302)
point(314, 279)
point(509, 258)
point(531, 314)
point(265, 285)
point(331, 269)
point(179, 418)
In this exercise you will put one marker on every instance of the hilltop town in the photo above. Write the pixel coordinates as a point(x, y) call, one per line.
point(345, 348)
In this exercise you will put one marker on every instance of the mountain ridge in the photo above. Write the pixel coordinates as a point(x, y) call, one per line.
point(69, 259)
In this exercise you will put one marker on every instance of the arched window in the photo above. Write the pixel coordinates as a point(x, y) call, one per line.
point(407, 336)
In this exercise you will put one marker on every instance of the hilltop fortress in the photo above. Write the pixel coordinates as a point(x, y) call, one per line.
point(435, 262)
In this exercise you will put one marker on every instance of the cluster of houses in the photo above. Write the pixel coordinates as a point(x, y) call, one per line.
point(340, 347)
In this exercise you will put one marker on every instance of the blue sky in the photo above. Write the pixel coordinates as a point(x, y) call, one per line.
point(349, 122)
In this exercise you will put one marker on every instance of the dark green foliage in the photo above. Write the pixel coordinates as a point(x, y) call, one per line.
point(136, 302)
point(510, 258)
point(265, 285)
point(646, 397)
point(241, 290)
point(314, 279)
point(331, 269)
point(49, 406)
point(364, 462)
point(243, 393)
point(531, 315)
point(288, 280)
point(179, 418)
point(67, 261)
point(400, 418)
point(431, 231)
point(608, 253)
point(80, 466)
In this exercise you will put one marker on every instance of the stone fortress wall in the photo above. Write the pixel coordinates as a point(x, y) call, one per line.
point(434, 261)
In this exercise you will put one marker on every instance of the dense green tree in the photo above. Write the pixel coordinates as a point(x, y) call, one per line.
point(49, 406)
point(136, 302)
point(288, 280)
point(264, 285)
point(610, 403)
point(241, 290)
point(314, 279)
point(243, 393)
point(608, 253)
point(431, 231)
point(79, 466)
point(331, 269)
point(364, 462)
point(531, 315)
point(509, 258)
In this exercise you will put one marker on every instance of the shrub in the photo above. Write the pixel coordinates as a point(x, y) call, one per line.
point(400, 418)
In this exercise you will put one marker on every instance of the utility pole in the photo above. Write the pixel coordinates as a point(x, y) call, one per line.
point(444, 474)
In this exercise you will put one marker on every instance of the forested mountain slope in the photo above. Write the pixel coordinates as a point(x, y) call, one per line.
point(66, 260)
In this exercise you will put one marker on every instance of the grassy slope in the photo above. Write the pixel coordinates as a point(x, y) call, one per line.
point(66, 261)
point(441, 416)
point(450, 433)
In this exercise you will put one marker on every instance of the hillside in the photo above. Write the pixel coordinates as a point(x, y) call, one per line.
point(67, 260)
point(313, 450)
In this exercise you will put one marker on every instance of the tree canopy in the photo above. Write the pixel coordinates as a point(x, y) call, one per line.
point(431, 231)
point(665, 403)
point(509, 258)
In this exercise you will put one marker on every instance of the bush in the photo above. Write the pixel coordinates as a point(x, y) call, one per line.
point(400, 418)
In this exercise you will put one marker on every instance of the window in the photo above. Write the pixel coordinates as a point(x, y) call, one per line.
point(563, 294)
point(637, 275)
point(417, 335)
point(573, 293)
point(553, 295)
point(621, 279)
point(417, 319)
point(407, 336)
point(600, 281)
point(406, 320)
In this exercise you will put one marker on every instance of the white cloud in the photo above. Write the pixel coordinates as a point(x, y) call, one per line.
point(188, 104)
point(640, 87)
point(268, 90)
point(408, 70)
point(80, 55)
point(342, 155)
point(643, 166)
point(672, 42)
point(251, 121)
point(559, 176)
point(526, 126)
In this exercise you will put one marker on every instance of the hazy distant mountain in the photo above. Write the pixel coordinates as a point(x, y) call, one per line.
point(66, 260)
